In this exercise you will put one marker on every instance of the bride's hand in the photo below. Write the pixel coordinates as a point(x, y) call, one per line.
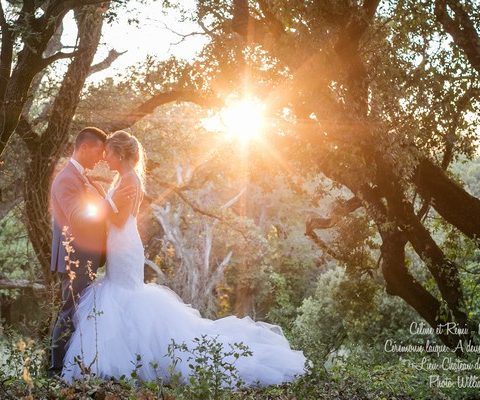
point(124, 195)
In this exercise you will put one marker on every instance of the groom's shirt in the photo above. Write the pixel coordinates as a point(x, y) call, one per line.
point(78, 166)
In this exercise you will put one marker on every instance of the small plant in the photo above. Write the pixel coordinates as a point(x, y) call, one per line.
point(89, 372)
point(21, 358)
point(212, 369)
point(137, 364)
point(175, 376)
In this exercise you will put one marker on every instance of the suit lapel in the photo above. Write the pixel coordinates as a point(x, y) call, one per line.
point(71, 168)
point(84, 178)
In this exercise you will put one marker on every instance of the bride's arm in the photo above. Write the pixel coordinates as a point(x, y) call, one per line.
point(108, 207)
point(126, 208)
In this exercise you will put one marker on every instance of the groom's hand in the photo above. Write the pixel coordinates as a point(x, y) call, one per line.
point(123, 196)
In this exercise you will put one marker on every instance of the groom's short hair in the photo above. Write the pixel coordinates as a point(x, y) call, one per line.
point(90, 134)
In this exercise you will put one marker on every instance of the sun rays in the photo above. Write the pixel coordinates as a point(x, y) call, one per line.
point(246, 128)
point(245, 121)
point(242, 119)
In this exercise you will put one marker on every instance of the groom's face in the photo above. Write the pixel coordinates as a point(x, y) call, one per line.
point(93, 153)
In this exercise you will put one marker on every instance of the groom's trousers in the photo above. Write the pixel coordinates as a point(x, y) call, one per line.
point(71, 290)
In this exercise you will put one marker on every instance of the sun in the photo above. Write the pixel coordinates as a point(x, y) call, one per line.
point(243, 119)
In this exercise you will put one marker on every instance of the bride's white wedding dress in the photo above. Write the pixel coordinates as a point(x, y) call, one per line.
point(119, 316)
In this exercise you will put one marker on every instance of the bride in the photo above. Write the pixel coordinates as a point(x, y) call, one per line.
point(119, 316)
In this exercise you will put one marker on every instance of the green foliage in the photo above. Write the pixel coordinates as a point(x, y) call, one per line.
point(20, 356)
point(17, 258)
point(212, 369)
point(213, 374)
point(469, 173)
point(319, 329)
point(424, 97)
point(423, 85)
point(356, 373)
point(349, 312)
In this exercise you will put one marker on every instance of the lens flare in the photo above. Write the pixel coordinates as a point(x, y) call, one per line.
point(91, 210)
point(243, 119)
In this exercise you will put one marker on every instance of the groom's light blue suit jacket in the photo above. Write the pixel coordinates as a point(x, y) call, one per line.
point(72, 207)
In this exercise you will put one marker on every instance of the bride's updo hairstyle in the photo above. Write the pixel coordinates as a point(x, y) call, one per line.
point(130, 150)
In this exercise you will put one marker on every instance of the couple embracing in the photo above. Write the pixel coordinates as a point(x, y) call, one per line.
point(105, 323)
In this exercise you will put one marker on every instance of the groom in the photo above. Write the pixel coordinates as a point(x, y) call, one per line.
point(79, 213)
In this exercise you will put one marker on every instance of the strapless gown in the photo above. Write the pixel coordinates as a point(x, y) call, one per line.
point(119, 317)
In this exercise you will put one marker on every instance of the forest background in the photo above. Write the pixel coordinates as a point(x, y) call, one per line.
point(312, 164)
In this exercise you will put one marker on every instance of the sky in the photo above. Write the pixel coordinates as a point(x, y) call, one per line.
point(153, 36)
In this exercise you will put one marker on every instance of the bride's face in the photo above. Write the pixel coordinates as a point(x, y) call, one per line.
point(112, 158)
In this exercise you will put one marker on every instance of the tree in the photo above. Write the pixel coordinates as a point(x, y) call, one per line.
point(364, 109)
point(461, 27)
point(34, 26)
point(37, 28)
point(371, 95)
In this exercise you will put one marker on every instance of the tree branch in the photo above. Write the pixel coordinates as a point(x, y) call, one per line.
point(310, 232)
point(28, 7)
point(57, 56)
point(179, 192)
point(339, 210)
point(159, 99)
point(28, 134)
point(461, 28)
point(275, 26)
point(160, 274)
point(399, 281)
point(348, 51)
point(21, 284)
point(433, 183)
point(111, 57)
point(444, 270)
point(252, 29)
point(61, 7)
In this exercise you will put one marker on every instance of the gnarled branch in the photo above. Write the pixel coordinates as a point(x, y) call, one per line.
point(461, 28)
point(159, 99)
point(57, 56)
point(339, 210)
point(104, 64)
point(21, 284)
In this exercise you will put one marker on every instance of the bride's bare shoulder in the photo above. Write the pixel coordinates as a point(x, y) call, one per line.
point(130, 179)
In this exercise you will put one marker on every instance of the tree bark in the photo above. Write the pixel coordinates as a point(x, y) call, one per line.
point(461, 28)
point(38, 31)
point(21, 284)
point(159, 99)
point(48, 147)
point(449, 199)
point(444, 271)
point(399, 282)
